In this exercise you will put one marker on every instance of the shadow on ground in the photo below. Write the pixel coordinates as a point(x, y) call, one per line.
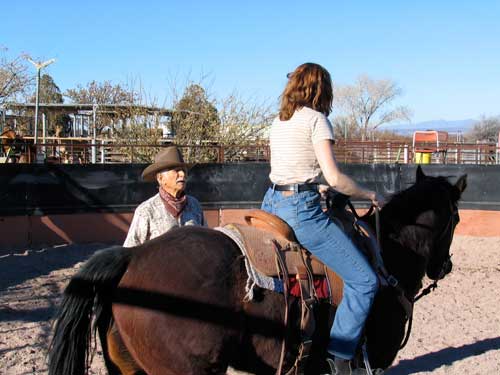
point(17, 268)
point(444, 357)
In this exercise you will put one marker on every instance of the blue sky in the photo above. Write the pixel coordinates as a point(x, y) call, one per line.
point(445, 55)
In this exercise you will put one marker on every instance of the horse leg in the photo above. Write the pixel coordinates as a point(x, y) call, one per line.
point(119, 354)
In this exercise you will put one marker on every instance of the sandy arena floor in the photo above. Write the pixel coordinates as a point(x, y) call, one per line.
point(456, 329)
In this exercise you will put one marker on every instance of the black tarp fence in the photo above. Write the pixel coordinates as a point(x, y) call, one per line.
point(31, 189)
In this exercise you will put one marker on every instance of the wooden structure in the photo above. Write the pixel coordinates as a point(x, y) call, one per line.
point(86, 123)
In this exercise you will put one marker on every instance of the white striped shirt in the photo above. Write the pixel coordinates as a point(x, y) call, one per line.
point(292, 153)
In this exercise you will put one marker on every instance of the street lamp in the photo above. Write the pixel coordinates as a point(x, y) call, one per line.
point(39, 66)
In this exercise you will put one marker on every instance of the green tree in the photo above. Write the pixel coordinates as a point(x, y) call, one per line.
point(50, 93)
point(195, 118)
point(195, 122)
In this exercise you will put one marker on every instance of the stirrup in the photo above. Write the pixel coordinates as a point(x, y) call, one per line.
point(365, 359)
point(331, 364)
point(356, 371)
point(362, 371)
point(333, 368)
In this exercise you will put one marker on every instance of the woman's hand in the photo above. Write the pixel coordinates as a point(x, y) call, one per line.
point(323, 190)
point(377, 199)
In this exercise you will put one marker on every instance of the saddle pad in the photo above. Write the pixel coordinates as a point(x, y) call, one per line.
point(320, 286)
point(261, 247)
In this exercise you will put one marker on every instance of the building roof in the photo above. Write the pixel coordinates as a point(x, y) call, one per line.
point(98, 108)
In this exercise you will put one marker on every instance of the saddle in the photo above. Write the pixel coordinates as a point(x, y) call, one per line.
point(273, 250)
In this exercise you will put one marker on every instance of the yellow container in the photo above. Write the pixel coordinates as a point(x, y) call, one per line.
point(423, 157)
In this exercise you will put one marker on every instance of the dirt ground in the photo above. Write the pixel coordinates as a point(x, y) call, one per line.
point(456, 328)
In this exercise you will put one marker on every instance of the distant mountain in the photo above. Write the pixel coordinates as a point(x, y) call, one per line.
point(455, 126)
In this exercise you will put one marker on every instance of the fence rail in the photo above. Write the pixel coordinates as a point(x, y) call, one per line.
point(405, 153)
point(78, 151)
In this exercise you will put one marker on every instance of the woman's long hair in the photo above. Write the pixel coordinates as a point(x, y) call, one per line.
point(310, 86)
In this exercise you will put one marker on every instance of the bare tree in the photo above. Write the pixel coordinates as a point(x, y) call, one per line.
point(243, 124)
point(344, 127)
point(143, 138)
point(102, 93)
point(485, 130)
point(369, 103)
point(105, 93)
point(15, 81)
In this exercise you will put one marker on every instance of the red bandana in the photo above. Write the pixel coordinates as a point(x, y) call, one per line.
point(172, 204)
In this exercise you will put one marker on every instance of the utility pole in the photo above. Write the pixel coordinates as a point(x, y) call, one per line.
point(39, 66)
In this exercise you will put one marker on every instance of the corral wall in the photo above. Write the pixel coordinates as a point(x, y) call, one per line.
point(51, 204)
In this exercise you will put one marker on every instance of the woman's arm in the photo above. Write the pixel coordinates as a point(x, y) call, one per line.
point(338, 180)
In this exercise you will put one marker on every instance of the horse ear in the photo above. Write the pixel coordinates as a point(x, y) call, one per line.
point(460, 185)
point(420, 174)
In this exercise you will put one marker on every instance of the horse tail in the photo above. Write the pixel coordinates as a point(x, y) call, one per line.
point(88, 294)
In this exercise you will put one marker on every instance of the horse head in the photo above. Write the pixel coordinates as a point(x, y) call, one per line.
point(441, 217)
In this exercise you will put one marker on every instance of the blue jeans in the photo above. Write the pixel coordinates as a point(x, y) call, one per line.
point(323, 238)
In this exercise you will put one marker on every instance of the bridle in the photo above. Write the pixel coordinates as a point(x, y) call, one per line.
point(448, 229)
point(446, 233)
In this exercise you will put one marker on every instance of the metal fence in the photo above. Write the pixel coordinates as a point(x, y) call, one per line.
point(84, 151)
point(405, 153)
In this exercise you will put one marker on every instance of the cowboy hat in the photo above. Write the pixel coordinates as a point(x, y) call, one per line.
point(167, 158)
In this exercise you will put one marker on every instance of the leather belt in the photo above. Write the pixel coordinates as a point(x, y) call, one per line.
point(296, 187)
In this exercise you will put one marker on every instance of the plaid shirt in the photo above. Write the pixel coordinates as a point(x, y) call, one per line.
point(151, 219)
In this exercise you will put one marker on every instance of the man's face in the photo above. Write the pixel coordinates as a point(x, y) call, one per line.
point(173, 181)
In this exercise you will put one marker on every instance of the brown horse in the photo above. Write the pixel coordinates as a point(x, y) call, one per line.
point(7, 138)
point(17, 149)
point(178, 306)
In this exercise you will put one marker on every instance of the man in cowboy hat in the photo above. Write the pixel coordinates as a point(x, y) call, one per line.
point(171, 207)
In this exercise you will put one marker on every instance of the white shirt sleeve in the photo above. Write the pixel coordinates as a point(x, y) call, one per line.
point(321, 129)
point(138, 232)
